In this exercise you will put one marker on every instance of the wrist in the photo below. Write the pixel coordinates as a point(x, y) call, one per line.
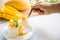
point(55, 8)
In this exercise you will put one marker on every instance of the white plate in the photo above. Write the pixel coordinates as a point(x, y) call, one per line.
point(25, 37)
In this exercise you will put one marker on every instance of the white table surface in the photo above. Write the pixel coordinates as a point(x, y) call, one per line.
point(40, 25)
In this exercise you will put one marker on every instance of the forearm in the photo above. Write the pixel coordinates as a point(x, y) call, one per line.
point(55, 8)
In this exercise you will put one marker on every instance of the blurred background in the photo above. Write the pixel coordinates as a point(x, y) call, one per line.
point(50, 1)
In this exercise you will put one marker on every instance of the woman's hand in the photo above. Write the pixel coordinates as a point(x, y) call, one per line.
point(42, 8)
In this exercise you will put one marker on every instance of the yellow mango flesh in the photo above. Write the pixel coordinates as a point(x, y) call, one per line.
point(11, 13)
point(19, 5)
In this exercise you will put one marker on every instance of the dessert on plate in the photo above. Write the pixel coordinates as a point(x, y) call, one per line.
point(18, 30)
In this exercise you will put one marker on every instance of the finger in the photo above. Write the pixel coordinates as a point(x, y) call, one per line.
point(38, 11)
point(34, 7)
point(34, 11)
